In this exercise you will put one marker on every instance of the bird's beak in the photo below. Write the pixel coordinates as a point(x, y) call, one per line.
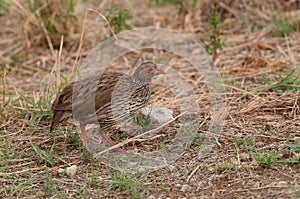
point(158, 71)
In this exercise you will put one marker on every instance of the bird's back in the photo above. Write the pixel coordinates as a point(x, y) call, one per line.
point(101, 100)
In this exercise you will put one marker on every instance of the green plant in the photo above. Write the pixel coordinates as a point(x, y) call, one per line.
point(72, 138)
point(288, 83)
point(94, 179)
point(117, 18)
point(215, 42)
point(246, 21)
point(87, 156)
point(46, 157)
point(282, 25)
point(38, 109)
point(162, 145)
point(265, 160)
point(204, 166)
point(294, 147)
point(82, 190)
point(50, 20)
point(16, 59)
point(128, 183)
point(184, 5)
point(198, 139)
point(230, 167)
point(3, 7)
point(49, 186)
point(142, 120)
point(8, 152)
point(247, 143)
point(16, 188)
point(185, 171)
point(239, 142)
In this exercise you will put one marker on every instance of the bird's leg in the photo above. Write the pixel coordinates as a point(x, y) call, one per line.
point(84, 135)
point(107, 138)
point(112, 143)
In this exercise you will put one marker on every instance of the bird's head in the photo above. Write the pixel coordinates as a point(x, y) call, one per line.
point(146, 71)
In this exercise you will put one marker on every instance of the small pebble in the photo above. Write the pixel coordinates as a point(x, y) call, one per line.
point(158, 114)
point(185, 188)
point(60, 170)
point(151, 197)
point(210, 169)
point(244, 156)
point(197, 51)
point(71, 171)
point(172, 168)
point(282, 183)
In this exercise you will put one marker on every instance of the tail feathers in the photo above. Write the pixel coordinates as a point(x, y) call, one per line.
point(56, 119)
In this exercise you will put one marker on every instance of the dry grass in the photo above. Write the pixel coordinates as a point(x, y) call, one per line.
point(258, 151)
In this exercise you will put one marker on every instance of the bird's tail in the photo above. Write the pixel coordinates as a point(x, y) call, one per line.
point(56, 119)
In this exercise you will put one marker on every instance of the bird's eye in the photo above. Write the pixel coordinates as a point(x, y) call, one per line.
point(149, 69)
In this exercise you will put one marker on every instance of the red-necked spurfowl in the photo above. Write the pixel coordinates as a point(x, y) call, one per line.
point(112, 91)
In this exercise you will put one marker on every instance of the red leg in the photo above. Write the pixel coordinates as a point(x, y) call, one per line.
point(107, 138)
point(112, 143)
point(84, 135)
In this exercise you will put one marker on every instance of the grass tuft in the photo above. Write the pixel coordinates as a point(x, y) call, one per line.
point(127, 183)
point(46, 157)
point(215, 42)
point(288, 83)
point(265, 160)
point(283, 25)
point(46, 21)
point(185, 6)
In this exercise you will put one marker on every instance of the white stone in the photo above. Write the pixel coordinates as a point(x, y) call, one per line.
point(151, 197)
point(185, 188)
point(158, 114)
point(172, 168)
point(71, 171)
point(282, 183)
point(244, 156)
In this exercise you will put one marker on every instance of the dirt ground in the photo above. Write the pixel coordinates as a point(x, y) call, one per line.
point(257, 152)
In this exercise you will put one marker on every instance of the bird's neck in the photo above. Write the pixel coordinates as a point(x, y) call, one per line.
point(140, 82)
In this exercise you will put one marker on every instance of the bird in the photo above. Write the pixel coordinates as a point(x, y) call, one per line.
point(115, 96)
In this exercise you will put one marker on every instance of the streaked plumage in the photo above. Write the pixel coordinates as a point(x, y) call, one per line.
point(110, 94)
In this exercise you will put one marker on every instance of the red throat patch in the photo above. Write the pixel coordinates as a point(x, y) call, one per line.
point(149, 80)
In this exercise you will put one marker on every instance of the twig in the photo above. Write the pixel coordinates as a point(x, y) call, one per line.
point(2, 126)
point(58, 62)
point(5, 70)
point(138, 136)
point(193, 172)
point(75, 65)
point(252, 189)
point(56, 69)
point(47, 37)
point(106, 21)
point(3, 113)
point(24, 171)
